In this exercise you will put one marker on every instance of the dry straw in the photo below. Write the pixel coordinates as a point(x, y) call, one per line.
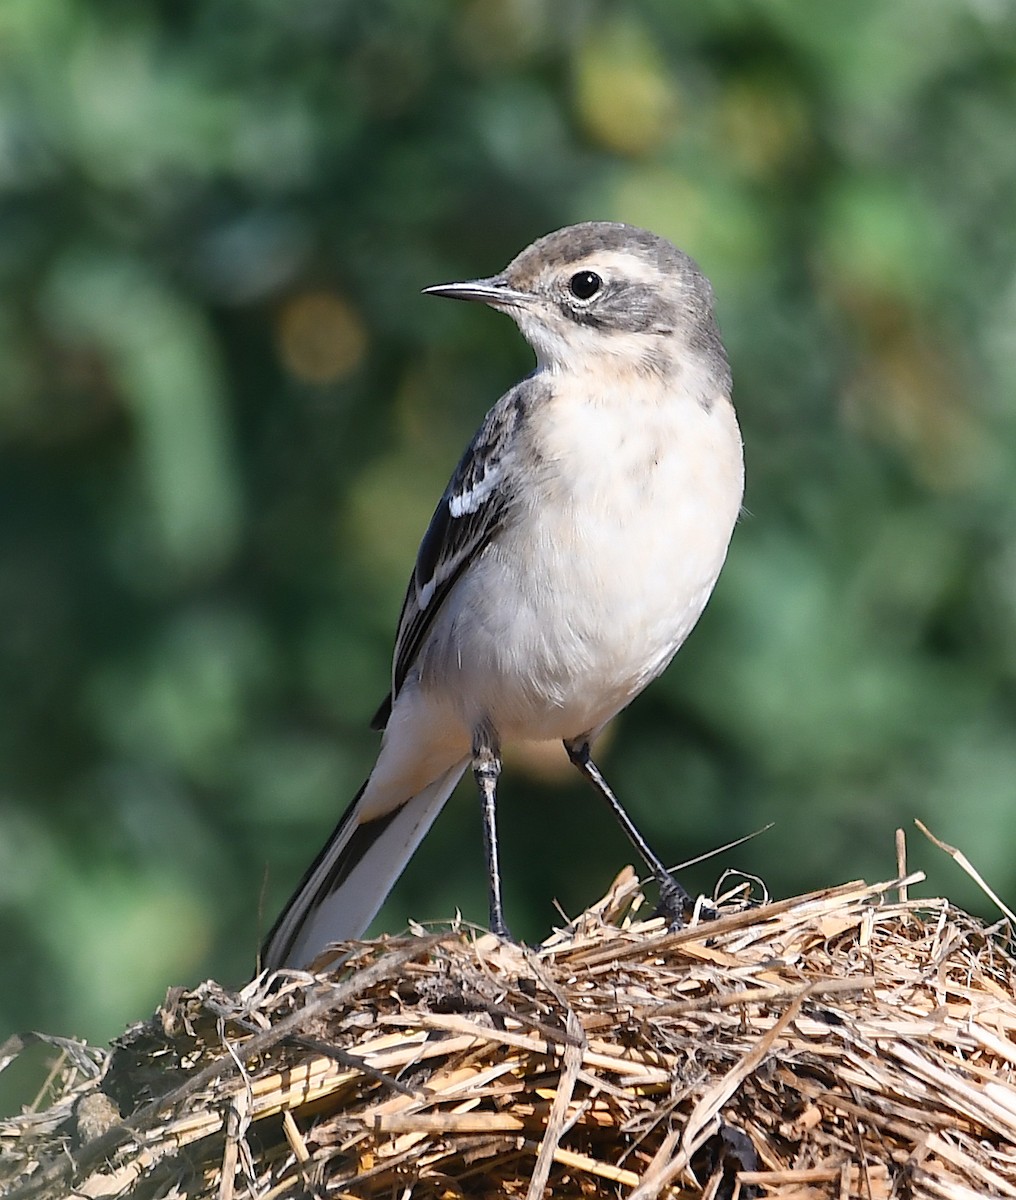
point(847, 1043)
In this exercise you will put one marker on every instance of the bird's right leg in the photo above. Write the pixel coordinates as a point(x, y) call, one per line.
point(487, 770)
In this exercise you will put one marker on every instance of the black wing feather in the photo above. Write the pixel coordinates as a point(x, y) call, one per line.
point(471, 511)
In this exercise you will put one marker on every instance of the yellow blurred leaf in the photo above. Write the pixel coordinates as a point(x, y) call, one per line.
point(625, 98)
point(320, 336)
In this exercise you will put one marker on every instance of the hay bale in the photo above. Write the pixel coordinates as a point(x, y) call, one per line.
point(849, 1042)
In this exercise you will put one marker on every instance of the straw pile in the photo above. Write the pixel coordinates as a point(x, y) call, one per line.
point(849, 1042)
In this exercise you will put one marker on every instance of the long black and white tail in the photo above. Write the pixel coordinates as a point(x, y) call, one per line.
point(349, 880)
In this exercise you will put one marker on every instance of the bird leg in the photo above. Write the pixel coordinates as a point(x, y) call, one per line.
point(486, 771)
point(675, 902)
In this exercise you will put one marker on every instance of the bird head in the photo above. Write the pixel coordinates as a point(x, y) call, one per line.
point(602, 295)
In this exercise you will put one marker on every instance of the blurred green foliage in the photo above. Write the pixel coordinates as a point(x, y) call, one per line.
point(226, 412)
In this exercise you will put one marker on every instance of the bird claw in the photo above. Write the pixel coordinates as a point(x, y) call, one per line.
point(677, 906)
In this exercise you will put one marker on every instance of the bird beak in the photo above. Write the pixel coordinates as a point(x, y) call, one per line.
point(494, 290)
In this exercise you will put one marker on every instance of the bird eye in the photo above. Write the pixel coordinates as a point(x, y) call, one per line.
point(584, 285)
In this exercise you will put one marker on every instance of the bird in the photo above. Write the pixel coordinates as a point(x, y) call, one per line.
point(569, 557)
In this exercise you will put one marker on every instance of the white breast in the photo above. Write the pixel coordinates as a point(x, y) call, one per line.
point(630, 514)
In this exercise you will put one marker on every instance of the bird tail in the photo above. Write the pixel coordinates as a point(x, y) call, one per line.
point(349, 880)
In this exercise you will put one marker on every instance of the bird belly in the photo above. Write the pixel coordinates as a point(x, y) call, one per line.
point(574, 608)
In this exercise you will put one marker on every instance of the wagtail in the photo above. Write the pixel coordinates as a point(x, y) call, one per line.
point(568, 559)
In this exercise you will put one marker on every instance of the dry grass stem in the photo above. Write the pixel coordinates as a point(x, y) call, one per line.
point(850, 1042)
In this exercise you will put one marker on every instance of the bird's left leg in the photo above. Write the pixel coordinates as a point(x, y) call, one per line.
point(486, 771)
point(675, 902)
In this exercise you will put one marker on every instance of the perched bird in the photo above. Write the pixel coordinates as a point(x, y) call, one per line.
point(569, 557)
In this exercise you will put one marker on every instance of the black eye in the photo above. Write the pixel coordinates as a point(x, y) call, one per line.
point(585, 285)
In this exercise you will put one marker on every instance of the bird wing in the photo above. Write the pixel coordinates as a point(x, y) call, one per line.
point(469, 513)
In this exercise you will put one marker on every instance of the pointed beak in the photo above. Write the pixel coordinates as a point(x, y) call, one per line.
point(494, 290)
